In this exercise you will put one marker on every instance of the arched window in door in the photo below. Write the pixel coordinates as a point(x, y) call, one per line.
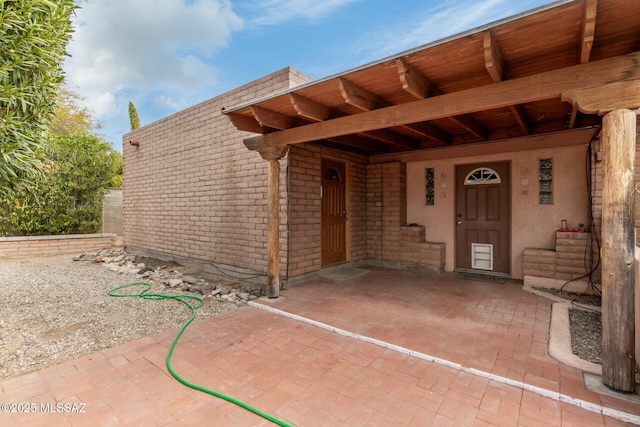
point(332, 175)
point(482, 176)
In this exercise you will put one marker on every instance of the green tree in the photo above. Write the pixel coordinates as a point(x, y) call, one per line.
point(33, 39)
point(67, 197)
point(70, 116)
point(133, 116)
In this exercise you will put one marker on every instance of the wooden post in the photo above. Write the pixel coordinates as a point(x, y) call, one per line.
point(273, 260)
point(618, 248)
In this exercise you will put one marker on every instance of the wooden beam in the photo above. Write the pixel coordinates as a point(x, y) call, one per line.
point(413, 81)
point(309, 109)
point(588, 30)
point(606, 98)
point(426, 130)
point(471, 126)
point(618, 250)
point(547, 85)
point(273, 256)
point(361, 143)
point(358, 97)
point(245, 123)
point(318, 112)
point(271, 119)
point(586, 44)
point(494, 63)
point(393, 138)
point(268, 152)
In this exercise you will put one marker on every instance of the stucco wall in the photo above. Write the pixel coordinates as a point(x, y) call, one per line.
point(112, 211)
point(532, 224)
point(192, 190)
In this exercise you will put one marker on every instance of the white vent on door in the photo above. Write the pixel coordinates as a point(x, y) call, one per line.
point(482, 256)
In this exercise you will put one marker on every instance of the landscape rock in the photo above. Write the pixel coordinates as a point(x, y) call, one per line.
point(174, 283)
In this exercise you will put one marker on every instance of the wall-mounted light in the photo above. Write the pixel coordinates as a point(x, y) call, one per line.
point(135, 143)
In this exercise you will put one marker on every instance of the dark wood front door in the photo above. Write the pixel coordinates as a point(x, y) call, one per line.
point(483, 217)
point(334, 213)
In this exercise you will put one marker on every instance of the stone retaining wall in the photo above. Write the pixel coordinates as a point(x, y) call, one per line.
point(32, 246)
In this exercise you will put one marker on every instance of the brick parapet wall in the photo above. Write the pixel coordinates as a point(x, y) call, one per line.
point(565, 262)
point(35, 246)
point(414, 249)
point(390, 239)
point(192, 190)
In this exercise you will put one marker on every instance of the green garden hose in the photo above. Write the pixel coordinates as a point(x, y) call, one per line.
point(184, 299)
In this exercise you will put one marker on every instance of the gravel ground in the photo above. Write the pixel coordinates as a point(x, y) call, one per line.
point(586, 334)
point(54, 309)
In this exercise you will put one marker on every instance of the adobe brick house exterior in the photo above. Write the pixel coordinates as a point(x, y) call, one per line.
point(195, 194)
point(463, 154)
point(192, 192)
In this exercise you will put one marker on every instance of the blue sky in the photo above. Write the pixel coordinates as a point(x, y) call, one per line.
point(166, 55)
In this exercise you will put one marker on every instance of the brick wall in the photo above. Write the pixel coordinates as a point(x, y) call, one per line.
point(193, 191)
point(305, 202)
point(389, 238)
point(565, 262)
point(32, 246)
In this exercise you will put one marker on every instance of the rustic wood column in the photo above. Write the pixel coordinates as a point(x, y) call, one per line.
point(618, 246)
point(273, 260)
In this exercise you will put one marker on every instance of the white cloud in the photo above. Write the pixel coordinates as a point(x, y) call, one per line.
point(446, 18)
point(144, 45)
point(272, 12)
point(167, 103)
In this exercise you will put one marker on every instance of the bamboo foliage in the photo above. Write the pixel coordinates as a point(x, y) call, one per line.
point(33, 39)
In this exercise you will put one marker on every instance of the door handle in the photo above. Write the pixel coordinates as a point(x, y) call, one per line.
point(344, 215)
point(459, 222)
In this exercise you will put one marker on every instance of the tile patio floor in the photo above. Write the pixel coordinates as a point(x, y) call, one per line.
point(492, 337)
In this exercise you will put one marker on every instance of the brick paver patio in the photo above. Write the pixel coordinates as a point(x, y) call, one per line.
point(490, 341)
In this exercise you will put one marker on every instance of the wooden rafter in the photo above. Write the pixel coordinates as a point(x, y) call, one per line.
point(413, 81)
point(494, 63)
point(364, 100)
point(358, 97)
point(588, 30)
point(271, 119)
point(245, 123)
point(417, 84)
point(586, 44)
point(309, 109)
point(317, 112)
point(493, 59)
point(546, 85)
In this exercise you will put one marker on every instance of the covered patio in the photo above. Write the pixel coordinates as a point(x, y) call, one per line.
point(488, 341)
point(497, 101)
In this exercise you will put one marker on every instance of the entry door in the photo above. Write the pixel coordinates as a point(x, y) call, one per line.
point(334, 213)
point(483, 217)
